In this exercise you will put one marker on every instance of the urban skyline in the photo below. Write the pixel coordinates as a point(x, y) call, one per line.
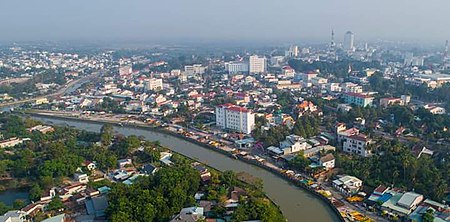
point(231, 111)
point(231, 21)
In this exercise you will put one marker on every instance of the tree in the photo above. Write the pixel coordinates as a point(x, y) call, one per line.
point(4, 208)
point(107, 134)
point(428, 216)
point(19, 204)
point(300, 162)
point(105, 159)
point(55, 204)
point(157, 197)
point(4, 166)
point(257, 209)
point(35, 192)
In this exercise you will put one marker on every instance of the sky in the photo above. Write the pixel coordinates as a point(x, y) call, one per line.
point(223, 20)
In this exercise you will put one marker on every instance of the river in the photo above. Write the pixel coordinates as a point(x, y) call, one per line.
point(295, 203)
point(9, 196)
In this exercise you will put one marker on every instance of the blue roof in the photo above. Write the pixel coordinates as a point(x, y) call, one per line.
point(385, 197)
point(104, 189)
point(96, 206)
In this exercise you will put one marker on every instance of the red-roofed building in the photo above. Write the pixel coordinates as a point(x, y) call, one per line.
point(357, 144)
point(235, 118)
point(288, 71)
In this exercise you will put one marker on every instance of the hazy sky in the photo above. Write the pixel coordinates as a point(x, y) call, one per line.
point(223, 20)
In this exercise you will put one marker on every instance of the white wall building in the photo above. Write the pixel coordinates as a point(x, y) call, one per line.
point(13, 216)
point(153, 84)
point(257, 64)
point(357, 144)
point(347, 185)
point(196, 69)
point(328, 161)
point(349, 41)
point(236, 67)
point(229, 116)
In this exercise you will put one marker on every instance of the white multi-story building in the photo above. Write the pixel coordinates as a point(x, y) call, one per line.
point(196, 69)
point(257, 64)
point(235, 118)
point(236, 67)
point(357, 144)
point(153, 84)
point(349, 41)
point(349, 87)
point(359, 99)
point(333, 87)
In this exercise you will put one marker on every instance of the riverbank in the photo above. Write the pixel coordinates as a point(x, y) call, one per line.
point(10, 195)
point(276, 172)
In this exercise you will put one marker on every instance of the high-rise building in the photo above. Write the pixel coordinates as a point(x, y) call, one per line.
point(446, 58)
point(292, 52)
point(446, 49)
point(408, 58)
point(257, 64)
point(349, 41)
point(235, 118)
point(236, 67)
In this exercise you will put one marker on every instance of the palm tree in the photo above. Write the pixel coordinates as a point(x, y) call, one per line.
point(394, 175)
point(405, 165)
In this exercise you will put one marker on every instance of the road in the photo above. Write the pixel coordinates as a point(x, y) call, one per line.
point(59, 92)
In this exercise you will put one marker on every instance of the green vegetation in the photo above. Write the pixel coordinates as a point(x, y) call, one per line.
point(257, 208)
point(397, 87)
point(428, 216)
point(271, 137)
point(306, 126)
point(18, 90)
point(300, 162)
point(164, 194)
point(420, 122)
point(110, 105)
point(48, 159)
point(395, 165)
point(154, 198)
point(339, 69)
point(55, 204)
point(4, 208)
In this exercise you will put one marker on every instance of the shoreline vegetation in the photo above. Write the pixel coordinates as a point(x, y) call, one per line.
point(285, 177)
point(254, 198)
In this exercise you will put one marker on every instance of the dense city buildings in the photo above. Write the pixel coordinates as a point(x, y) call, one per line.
point(320, 116)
